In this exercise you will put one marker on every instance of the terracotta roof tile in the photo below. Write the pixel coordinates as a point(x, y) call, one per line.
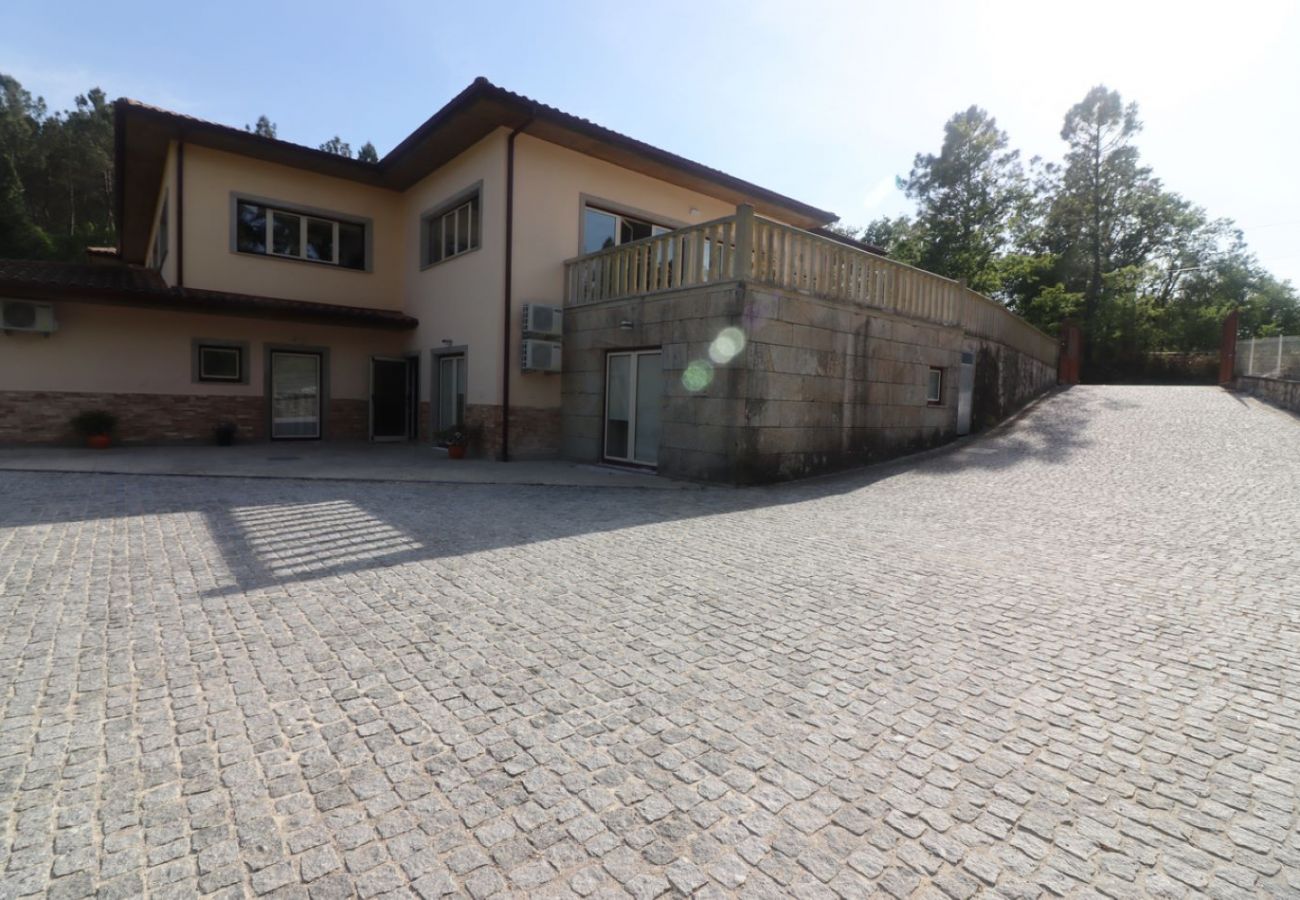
point(140, 286)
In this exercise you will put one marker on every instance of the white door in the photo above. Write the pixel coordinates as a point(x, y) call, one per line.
point(295, 395)
point(633, 400)
point(451, 391)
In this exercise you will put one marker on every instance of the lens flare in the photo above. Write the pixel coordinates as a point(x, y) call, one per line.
point(698, 375)
point(727, 345)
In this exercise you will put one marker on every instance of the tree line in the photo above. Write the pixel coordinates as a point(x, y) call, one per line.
point(1096, 238)
point(56, 173)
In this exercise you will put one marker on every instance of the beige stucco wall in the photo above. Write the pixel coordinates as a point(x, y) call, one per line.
point(211, 176)
point(166, 190)
point(114, 349)
point(550, 185)
point(460, 299)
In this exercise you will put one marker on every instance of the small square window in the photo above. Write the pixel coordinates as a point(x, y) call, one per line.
point(221, 363)
point(934, 387)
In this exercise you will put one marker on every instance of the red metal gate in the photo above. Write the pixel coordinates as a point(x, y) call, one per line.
point(1071, 350)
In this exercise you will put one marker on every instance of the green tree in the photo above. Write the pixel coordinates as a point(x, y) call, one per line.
point(897, 237)
point(968, 197)
point(368, 153)
point(337, 146)
point(264, 127)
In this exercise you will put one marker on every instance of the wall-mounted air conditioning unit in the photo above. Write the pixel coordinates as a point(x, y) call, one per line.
point(543, 321)
point(26, 315)
point(541, 356)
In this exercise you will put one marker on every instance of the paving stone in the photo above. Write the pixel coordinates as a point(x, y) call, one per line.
point(1053, 660)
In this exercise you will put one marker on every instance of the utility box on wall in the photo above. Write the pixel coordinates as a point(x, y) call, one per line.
point(541, 356)
point(543, 321)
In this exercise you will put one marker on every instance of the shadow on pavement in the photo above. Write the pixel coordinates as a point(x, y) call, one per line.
point(273, 532)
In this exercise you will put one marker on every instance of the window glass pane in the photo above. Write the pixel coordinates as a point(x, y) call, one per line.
point(295, 395)
point(451, 391)
point(649, 398)
point(634, 230)
point(250, 228)
point(474, 224)
point(618, 389)
point(934, 390)
point(600, 230)
point(462, 229)
point(286, 233)
point(320, 240)
point(352, 245)
point(432, 240)
point(219, 363)
point(449, 234)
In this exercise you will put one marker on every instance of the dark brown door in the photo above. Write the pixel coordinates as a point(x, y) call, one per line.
point(389, 385)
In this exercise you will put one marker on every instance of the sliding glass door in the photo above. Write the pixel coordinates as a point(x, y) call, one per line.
point(451, 391)
point(633, 398)
point(295, 394)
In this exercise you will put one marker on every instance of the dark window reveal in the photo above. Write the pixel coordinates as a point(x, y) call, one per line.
point(220, 363)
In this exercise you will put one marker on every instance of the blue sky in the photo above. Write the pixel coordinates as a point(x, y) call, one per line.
point(824, 101)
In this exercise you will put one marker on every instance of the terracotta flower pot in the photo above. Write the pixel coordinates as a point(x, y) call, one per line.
point(99, 442)
point(456, 451)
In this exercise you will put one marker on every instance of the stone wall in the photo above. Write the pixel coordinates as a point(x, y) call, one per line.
point(699, 427)
point(1276, 391)
point(832, 385)
point(1005, 380)
point(819, 385)
point(43, 417)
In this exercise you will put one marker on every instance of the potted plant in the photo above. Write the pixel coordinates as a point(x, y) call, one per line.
point(456, 440)
point(225, 433)
point(96, 426)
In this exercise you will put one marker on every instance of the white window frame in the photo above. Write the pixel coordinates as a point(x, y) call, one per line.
point(656, 229)
point(634, 358)
point(435, 221)
point(934, 399)
point(303, 218)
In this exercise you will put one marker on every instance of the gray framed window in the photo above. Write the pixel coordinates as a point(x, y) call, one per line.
point(934, 386)
point(453, 228)
point(220, 362)
point(267, 229)
point(604, 228)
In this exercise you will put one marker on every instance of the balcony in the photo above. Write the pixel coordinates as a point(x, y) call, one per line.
point(749, 248)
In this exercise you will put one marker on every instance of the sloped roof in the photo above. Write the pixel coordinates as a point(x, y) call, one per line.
point(143, 133)
point(139, 286)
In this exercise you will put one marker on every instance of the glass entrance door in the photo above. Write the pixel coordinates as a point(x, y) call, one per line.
point(633, 398)
point(451, 391)
point(295, 395)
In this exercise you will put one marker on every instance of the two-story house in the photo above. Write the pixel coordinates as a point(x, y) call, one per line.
point(711, 327)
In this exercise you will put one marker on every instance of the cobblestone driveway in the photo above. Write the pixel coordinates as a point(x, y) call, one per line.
point(1061, 661)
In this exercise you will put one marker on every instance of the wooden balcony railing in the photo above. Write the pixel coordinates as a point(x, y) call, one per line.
point(747, 247)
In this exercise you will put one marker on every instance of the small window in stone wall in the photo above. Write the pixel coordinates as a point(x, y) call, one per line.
point(219, 363)
point(934, 387)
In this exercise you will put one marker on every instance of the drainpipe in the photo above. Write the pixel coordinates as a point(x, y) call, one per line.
point(180, 214)
point(506, 343)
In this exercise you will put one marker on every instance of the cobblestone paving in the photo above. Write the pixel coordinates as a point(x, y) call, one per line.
point(1062, 661)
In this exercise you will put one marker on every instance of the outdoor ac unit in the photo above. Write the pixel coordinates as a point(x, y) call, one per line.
point(24, 315)
point(541, 356)
point(543, 321)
